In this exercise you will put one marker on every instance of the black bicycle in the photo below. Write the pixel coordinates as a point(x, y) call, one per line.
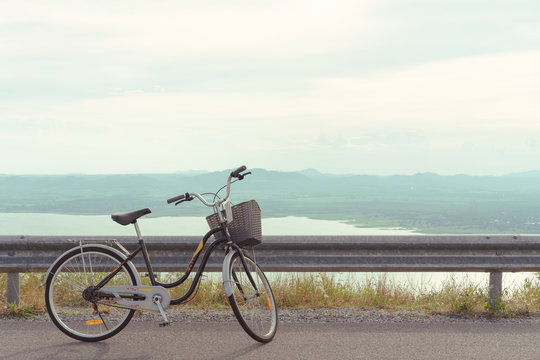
point(93, 290)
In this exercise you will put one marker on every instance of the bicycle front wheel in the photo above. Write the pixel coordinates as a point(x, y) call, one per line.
point(68, 297)
point(253, 306)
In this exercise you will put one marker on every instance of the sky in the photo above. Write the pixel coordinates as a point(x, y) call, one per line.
point(366, 87)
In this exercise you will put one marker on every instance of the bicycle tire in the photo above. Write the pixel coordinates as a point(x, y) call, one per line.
point(70, 312)
point(256, 311)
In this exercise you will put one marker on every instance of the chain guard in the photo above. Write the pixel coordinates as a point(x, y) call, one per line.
point(138, 297)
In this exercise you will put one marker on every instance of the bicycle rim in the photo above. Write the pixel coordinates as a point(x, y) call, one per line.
point(71, 313)
point(255, 309)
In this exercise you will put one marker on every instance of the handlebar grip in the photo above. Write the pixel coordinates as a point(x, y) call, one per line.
point(176, 198)
point(237, 172)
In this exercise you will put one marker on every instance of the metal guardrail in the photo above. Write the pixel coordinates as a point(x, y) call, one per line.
point(409, 253)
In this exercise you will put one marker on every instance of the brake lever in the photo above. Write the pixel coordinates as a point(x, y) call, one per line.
point(186, 199)
point(241, 176)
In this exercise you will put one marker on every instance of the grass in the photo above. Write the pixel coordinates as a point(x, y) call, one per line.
point(32, 298)
point(324, 290)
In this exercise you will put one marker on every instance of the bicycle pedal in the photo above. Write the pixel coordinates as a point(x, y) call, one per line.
point(163, 324)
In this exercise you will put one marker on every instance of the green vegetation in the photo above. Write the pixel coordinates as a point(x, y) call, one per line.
point(32, 297)
point(426, 202)
point(322, 290)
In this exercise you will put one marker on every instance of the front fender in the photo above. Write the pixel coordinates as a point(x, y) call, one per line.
point(225, 273)
point(117, 252)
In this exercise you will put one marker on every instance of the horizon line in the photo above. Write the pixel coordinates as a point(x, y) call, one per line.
point(315, 172)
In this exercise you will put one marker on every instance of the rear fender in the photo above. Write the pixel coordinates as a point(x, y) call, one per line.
point(117, 252)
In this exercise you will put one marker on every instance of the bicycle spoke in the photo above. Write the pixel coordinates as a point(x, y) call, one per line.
point(77, 286)
point(72, 313)
point(250, 300)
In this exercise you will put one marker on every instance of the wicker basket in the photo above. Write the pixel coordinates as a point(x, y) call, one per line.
point(245, 229)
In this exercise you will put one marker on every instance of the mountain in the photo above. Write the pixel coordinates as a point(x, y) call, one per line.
point(533, 173)
point(311, 172)
point(426, 201)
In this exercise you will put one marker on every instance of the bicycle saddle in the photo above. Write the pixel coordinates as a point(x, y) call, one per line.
point(130, 217)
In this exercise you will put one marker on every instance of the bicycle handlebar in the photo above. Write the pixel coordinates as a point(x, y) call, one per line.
point(235, 174)
point(176, 198)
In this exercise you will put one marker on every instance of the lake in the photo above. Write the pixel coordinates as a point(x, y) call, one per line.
point(102, 225)
point(97, 225)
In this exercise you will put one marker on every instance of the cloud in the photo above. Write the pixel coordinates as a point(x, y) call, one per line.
point(180, 30)
point(98, 87)
point(472, 92)
point(438, 106)
point(62, 50)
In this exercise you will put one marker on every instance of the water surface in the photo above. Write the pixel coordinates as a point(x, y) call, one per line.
point(97, 225)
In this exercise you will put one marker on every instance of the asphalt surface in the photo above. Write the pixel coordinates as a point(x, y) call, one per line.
point(27, 339)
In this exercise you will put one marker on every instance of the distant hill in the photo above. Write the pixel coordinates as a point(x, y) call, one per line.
point(534, 173)
point(427, 202)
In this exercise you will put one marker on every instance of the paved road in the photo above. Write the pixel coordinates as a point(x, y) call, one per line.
point(23, 339)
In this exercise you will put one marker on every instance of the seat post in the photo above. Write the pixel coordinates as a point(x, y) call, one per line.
point(145, 254)
point(139, 236)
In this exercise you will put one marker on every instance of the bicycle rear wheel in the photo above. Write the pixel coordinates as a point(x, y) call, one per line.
point(255, 308)
point(81, 317)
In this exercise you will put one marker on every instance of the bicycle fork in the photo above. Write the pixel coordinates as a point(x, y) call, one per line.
point(227, 281)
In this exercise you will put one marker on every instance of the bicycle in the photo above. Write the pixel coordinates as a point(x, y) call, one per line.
point(93, 290)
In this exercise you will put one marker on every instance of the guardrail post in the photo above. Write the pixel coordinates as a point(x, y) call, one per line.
point(13, 288)
point(495, 288)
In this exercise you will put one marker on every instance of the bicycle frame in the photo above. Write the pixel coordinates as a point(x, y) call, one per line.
point(142, 248)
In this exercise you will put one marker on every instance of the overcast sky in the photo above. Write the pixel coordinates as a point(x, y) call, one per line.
point(367, 87)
